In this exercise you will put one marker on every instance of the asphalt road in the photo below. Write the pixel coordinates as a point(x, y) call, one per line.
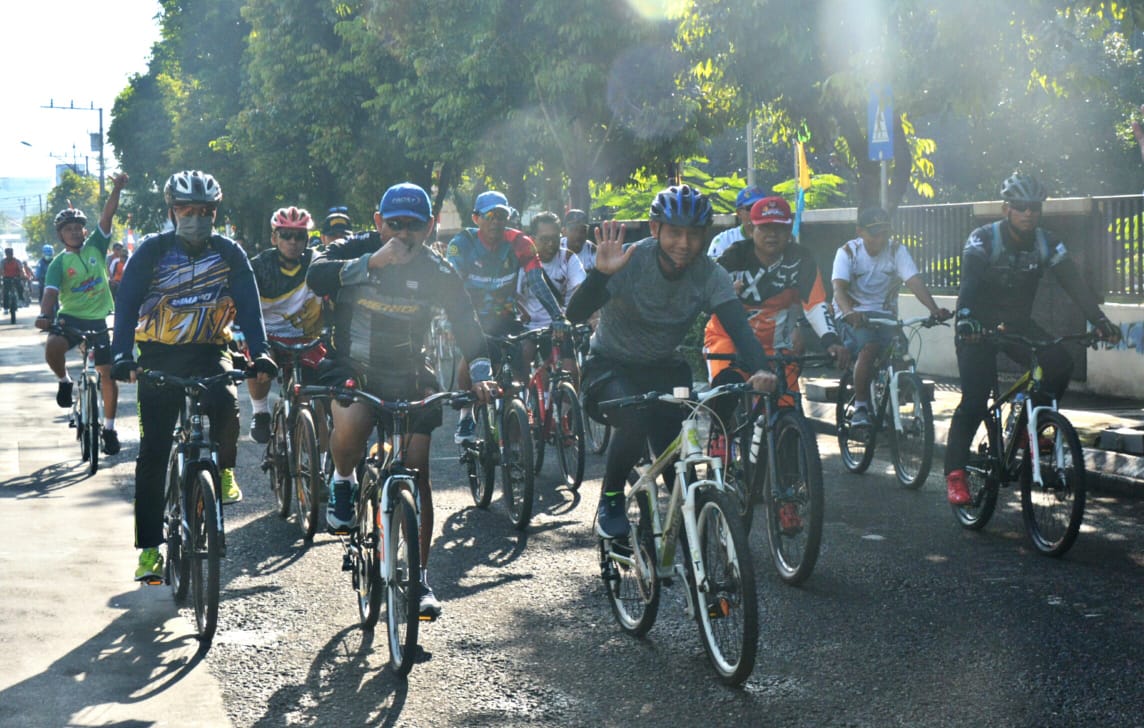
point(907, 620)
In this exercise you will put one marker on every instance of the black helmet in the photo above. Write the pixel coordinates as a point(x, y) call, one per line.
point(192, 187)
point(70, 215)
point(680, 205)
point(1023, 188)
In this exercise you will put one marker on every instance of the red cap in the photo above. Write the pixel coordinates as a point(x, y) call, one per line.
point(769, 210)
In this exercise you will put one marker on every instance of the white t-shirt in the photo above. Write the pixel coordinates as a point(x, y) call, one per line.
point(566, 273)
point(587, 254)
point(874, 281)
point(724, 240)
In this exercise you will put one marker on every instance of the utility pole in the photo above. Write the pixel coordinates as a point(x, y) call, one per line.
point(91, 107)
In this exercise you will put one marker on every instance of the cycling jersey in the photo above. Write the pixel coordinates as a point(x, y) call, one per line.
point(564, 274)
point(490, 274)
point(81, 278)
point(168, 297)
point(290, 310)
point(13, 268)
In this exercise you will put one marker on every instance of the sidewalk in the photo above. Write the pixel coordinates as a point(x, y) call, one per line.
point(1117, 473)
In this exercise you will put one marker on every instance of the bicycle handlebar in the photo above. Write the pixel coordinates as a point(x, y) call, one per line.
point(653, 396)
point(88, 336)
point(927, 322)
point(172, 380)
point(802, 359)
point(1088, 337)
point(437, 399)
point(302, 347)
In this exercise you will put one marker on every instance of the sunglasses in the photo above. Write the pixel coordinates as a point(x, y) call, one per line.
point(295, 235)
point(399, 224)
point(1020, 206)
point(498, 215)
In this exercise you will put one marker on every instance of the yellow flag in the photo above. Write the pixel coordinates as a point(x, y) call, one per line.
point(802, 167)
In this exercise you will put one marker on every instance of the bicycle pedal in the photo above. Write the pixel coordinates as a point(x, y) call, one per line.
point(347, 563)
point(426, 618)
point(154, 581)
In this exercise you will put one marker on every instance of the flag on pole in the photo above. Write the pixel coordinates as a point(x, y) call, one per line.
point(802, 181)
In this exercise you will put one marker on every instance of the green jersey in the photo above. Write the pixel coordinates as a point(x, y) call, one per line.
point(81, 279)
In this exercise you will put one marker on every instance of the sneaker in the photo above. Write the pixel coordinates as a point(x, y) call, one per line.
point(340, 508)
point(612, 517)
point(717, 447)
point(64, 394)
point(466, 430)
point(260, 428)
point(430, 606)
point(231, 493)
point(150, 565)
point(110, 442)
point(957, 489)
point(789, 521)
point(860, 418)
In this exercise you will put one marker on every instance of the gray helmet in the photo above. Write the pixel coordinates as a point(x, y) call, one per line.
point(69, 215)
point(680, 205)
point(192, 187)
point(1023, 188)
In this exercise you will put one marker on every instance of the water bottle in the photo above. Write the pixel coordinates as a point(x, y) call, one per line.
point(1014, 414)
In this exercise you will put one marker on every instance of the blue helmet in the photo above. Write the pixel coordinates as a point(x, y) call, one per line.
point(682, 206)
point(749, 196)
point(48, 251)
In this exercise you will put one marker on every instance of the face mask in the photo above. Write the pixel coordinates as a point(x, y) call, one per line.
point(193, 229)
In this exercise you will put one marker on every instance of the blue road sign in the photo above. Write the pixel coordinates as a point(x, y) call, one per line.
point(881, 118)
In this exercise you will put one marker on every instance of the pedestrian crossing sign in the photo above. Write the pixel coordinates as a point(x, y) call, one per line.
point(881, 118)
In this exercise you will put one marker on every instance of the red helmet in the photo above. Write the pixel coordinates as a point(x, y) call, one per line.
point(294, 218)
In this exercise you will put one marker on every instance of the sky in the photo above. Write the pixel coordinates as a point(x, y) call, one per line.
point(66, 52)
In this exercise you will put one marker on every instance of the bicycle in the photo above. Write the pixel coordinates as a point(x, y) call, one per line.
point(700, 518)
point(383, 551)
point(1053, 488)
point(442, 351)
point(11, 300)
point(772, 458)
point(596, 434)
point(554, 412)
point(293, 458)
point(87, 404)
point(899, 404)
point(193, 528)
point(502, 437)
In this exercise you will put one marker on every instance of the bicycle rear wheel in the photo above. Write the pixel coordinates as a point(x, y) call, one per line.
point(629, 572)
point(913, 445)
point(403, 582)
point(855, 445)
point(794, 504)
point(981, 474)
point(533, 400)
point(177, 566)
point(738, 472)
point(1053, 511)
point(726, 607)
point(364, 548)
point(278, 459)
point(517, 474)
point(204, 555)
point(483, 459)
point(92, 427)
point(568, 426)
point(307, 473)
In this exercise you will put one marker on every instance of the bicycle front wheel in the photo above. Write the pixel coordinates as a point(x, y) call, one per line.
point(177, 566)
point(597, 434)
point(727, 606)
point(535, 410)
point(204, 555)
point(981, 474)
point(856, 445)
point(913, 444)
point(403, 582)
point(629, 570)
point(92, 425)
point(1053, 510)
point(482, 459)
point(364, 551)
point(794, 503)
point(568, 425)
point(307, 473)
point(517, 473)
point(278, 460)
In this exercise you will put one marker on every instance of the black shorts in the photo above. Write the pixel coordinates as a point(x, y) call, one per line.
point(604, 378)
point(102, 342)
point(422, 383)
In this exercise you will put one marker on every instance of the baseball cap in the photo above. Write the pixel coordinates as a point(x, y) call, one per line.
point(405, 200)
point(575, 217)
point(873, 218)
point(337, 222)
point(491, 200)
point(748, 196)
point(771, 210)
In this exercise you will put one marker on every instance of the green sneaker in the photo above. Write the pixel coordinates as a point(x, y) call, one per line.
point(231, 493)
point(150, 565)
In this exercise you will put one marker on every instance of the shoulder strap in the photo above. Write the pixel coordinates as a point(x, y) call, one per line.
point(1043, 251)
point(996, 244)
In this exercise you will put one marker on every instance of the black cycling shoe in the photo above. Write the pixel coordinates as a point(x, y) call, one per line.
point(260, 428)
point(612, 517)
point(110, 442)
point(64, 394)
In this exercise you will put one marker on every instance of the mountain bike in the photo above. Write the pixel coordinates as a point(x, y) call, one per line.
point(442, 351)
point(900, 405)
point(383, 551)
point(772, 458)
point(1052, 483)
point(502, 437)
point(293, 457)
point(596, 434)
point(87, 404)
point(699, 519)
point(554, 411)
point(11, 299)
point(192, 519)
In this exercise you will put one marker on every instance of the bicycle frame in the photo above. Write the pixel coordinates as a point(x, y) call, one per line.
point(885, 362)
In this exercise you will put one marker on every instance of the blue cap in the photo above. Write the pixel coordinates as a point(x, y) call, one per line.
point(405, 200)
point(748, 196)
point(491, 200)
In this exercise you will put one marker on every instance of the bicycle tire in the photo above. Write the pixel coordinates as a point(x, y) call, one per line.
point(597, 433)
point(94, 426)
point(568, 431)
point(980, 473)
point(79, 420)
point(1053, 511)
point(727, 607)
point(483, 466)
point(403, 582)
point(205, 555)
point(177, 568)
point(278, 456)
point(912, 448)
point(537, 426)
point(738, 473)
point(517, 476)
point(794, 505)
point(633, 590)
point(445, 357)
point(364, 552)
point(857, 452)
point(307, 473)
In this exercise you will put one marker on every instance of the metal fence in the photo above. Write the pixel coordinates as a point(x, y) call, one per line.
point(1119, 229)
